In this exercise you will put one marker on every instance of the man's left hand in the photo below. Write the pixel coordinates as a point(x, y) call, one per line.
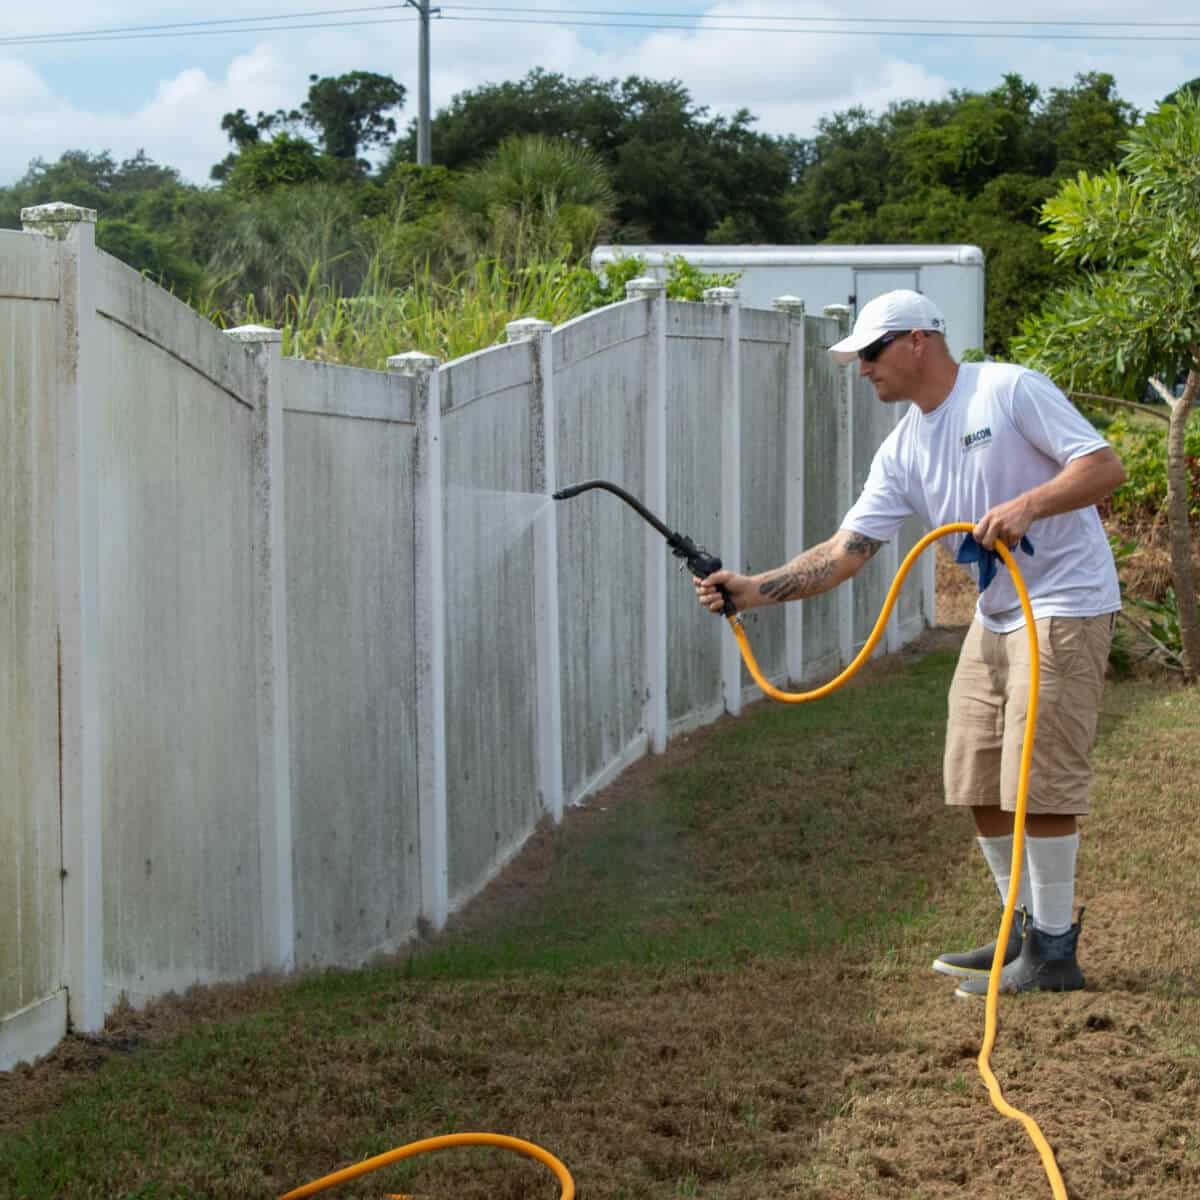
point(1005, 523)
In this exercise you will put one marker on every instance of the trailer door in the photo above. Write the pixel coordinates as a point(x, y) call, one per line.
point(870, 283)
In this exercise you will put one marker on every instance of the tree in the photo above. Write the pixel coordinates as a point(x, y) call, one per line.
point(350, 112)
point(548, 189)
point(285, 160)
point(974, 167)
point(1132, 313)
point(676, 170)
point(147, 217)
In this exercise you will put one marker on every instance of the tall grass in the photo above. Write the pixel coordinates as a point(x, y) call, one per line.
point(446, 318)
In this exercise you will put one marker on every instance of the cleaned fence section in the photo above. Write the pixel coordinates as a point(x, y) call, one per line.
point(603, 395)
point(294, 657)
point(491, 651)
point(696, 455)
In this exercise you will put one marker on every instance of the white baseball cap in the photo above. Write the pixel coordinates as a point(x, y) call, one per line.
point(898, 311)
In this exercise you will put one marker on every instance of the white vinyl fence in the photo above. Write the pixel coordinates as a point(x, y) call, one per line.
point(294, 657)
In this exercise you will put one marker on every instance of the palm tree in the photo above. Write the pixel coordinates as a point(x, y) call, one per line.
point(538, 196)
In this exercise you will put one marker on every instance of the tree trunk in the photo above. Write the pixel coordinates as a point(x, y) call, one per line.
point(1179, 526)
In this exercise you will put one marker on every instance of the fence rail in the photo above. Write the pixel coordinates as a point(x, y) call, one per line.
point(295, 657)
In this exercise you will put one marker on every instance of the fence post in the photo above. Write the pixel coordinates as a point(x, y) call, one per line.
point(655, 293)
point(270, 648)
point(793, 496)
point(544, 426)
point(731, 473)
point(841, 314)
point(77, 583)
point(429, 603)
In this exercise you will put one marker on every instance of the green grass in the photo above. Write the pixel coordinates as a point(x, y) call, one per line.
point(681, 875)
point(719, 990)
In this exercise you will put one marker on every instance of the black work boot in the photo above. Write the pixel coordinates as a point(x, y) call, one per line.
point(1046, 963)
point(971, 963)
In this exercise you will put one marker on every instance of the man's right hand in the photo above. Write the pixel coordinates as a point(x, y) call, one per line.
point(739, 588)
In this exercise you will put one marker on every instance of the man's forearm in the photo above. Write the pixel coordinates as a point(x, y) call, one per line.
point(817, 570)
point(1080, 483)
point(1085, 481)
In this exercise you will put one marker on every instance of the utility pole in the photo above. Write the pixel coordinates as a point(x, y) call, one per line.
point(424, 149)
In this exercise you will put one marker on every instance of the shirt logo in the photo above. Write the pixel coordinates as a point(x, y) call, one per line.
point(981, 437)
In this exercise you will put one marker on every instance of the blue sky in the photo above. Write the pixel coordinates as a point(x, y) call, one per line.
point(790, 63)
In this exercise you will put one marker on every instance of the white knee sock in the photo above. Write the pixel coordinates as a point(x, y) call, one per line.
point(998, 852)
point(1052, 879)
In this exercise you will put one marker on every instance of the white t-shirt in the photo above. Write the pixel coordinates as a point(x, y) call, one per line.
point(1001, 431)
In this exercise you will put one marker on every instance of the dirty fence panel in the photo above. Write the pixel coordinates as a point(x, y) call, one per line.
point(694, 356)
point(823, 509)
point(32, 1011)
point(141, 307)
point(348, 444)
point(181, 854)
point(600, 389)
point(491, 671)
point(764, 476)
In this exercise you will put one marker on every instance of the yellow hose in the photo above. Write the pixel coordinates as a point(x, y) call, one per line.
point(445, 1142)
point(989, 1036)
point(1018, 858)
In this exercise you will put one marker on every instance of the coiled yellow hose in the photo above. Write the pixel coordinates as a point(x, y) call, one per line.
point(445, 1142)
point(1018, 852)
point(989, 1036)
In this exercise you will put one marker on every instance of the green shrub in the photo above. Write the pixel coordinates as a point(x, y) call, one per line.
point(1143, 450)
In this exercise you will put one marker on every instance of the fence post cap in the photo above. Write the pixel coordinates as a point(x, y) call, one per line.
point(720, 295)
point(526, 328)
point(54, 219)
point(644, 285)
point(254, 334)
point(412, 362)
point(789, 304)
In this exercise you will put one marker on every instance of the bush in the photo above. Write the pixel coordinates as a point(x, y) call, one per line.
point(1143, 450)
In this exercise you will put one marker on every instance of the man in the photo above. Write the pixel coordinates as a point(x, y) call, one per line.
point(1002, 447)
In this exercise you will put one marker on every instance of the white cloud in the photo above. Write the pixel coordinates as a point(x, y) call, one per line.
point(178, 125)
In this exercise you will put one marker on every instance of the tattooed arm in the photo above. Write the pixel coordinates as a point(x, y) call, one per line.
point(808, 574)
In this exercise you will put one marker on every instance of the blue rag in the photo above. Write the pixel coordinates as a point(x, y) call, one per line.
point(972, 552)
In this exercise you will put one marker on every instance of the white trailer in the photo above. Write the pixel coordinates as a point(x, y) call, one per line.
point(951, 276)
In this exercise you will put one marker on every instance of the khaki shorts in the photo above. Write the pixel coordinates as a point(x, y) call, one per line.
point(988, 701)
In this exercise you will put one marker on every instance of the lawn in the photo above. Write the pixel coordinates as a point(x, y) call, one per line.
point(712, 980)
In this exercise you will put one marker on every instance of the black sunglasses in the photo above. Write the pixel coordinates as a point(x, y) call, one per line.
point(870, 353)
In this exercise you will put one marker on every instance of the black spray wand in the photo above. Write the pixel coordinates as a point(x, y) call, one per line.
point(698, 560)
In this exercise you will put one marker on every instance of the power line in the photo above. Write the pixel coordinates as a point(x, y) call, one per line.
point(825, 32)
point(317, 12)
point(652, 22)
point(874, 21)
point(193, 28)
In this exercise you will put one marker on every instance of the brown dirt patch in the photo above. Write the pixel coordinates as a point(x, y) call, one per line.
point(956, 591)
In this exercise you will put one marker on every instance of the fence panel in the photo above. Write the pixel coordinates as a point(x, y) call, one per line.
point(823, 508)
point(764, 475)
point(348, 445)
point(181, 845)
point(190, 609)
point(872, 422)
point(600, 390)
point(694, 356)
point(491, 666)
point(32, 1003)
